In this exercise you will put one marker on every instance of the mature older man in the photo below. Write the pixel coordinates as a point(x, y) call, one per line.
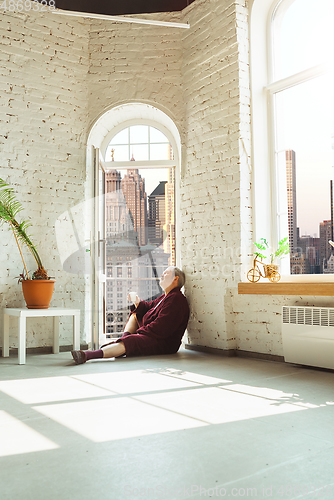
point(155, 327)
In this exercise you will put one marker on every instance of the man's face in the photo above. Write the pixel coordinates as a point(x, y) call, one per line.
point(167, 277)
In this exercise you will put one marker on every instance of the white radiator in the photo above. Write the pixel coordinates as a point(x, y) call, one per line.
point(308, 335)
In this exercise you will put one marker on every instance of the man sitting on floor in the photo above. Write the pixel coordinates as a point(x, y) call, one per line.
point(155, 327)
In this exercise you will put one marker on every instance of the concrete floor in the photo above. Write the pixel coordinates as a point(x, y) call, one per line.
point(192, 425)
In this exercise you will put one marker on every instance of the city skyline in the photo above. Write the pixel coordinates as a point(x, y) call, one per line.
point(308, 255)
point(138, 246)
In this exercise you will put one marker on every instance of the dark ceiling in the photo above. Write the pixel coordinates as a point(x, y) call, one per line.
point(122, 7)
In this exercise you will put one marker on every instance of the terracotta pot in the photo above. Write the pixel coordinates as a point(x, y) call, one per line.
point(38, 293)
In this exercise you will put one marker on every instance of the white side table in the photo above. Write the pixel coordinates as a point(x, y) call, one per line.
point(25, 313)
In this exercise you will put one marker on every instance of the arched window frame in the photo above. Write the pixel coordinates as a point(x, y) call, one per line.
point(149, 163)
point(113, 120)
point(263, 89)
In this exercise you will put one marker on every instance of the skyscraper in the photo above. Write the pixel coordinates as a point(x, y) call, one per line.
point(157, 214)
point(133, 188)
point(331, 189)
point(290, 161)
point(325, 247)
point(118, 221)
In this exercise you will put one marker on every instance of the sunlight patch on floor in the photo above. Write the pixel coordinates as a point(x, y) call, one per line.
point(136, 403)
point(48, 389)
point(17, 437)
point(107, 420)
point(198, 378)
point(129, 382)
point(277, 396)
point(217, 406)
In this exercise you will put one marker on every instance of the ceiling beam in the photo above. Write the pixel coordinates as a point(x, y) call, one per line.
point(122, 7)
point(119, 19)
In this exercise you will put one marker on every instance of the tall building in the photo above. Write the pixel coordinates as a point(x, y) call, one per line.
point(113, 181)
point(325, 230)
point(331, 190)
point(157, 214)
point(169, 227)
point(119, 224)
point(299, 264)
point(133, 188)
point(290, 161)
point(310, 247)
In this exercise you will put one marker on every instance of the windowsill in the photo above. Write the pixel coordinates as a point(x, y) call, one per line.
point(324, 288)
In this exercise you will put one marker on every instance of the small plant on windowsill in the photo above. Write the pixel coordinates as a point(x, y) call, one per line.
point(270, 270)
point(264, 246)
point(40, 285)
point(282, 250)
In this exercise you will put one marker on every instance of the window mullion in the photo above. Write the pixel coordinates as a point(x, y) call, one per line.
point(298, 78)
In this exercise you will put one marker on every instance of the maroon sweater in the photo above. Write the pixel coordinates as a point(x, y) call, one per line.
point(162, 323)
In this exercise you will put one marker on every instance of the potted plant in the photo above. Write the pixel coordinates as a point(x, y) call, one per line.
point(282, 250)
point(270, 270)
point(38, 287)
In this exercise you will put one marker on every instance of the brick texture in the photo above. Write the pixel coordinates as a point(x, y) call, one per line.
point(58, 75)
point(216, 213)
point(43, 123)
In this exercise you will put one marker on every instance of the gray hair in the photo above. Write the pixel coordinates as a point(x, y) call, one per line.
point(182, 277)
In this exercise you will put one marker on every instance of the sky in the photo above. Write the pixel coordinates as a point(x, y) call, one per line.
point(306, 112)
point(139, 136)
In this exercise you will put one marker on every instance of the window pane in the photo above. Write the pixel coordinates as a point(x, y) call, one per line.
point(139, 152)
point(121, 138)
point(161, 152)
point(121, 153)
point(139, 134)
point(157, 136)
point(303, 35)
point(137, 138)
point(304, 162)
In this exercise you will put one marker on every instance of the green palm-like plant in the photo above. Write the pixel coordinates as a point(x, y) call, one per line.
point(9, 209)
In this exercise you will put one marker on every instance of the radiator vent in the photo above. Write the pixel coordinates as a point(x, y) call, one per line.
point(312, 316)
point(308, 336)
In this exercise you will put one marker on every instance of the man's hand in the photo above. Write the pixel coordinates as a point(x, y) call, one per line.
point(133, 297)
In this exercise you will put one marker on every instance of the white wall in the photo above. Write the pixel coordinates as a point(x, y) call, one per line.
point(58, 76)
point(216, 215)
point(136, 63)
point(43, 124)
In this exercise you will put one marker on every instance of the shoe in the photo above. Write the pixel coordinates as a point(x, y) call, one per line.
point(79, 357)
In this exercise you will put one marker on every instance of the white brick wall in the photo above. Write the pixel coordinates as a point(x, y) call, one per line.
point(58, 75)
point(43, 123)
point(133, 62)
point(214, 215)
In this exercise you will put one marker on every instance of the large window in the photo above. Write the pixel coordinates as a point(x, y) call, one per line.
point(140, 217)
point(298, 100)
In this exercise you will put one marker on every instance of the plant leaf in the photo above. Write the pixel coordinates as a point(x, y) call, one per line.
point(9, 209)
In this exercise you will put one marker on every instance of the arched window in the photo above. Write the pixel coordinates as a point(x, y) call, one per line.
point(139, 143)
point(293, 155)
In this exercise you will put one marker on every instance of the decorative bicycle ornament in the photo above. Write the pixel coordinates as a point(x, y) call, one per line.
point(270, 271)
